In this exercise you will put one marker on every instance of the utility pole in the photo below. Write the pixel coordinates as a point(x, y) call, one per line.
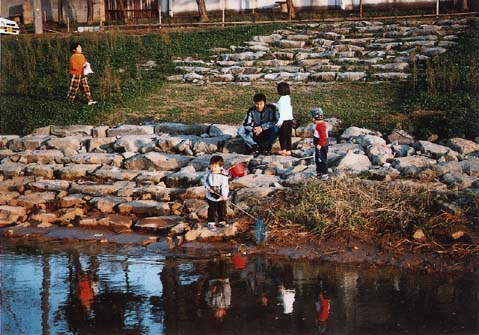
point(38, 16)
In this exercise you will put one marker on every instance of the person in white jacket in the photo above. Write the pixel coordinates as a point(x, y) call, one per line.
point(217, 189)
point(285, 122)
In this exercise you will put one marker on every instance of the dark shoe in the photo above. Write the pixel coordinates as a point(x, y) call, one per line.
point(267, 151)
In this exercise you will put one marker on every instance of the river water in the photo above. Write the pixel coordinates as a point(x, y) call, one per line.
point(147, 290)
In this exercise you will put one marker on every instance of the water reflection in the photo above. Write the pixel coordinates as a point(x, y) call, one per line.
point(137, 291)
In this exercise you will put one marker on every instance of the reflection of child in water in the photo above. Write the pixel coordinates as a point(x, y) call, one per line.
point(322, 311)
point(218, 296)
point(287, 297)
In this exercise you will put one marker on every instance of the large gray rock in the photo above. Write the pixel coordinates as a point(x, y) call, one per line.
point(253, 180)
point(50, 185)
point(353, 132)
point(246, 194)
point(11, 214)
point(181, 128)
point(12, 169)
point(145, 207)
point(351, 76)
point(114, 173)
point(38, 156)
point(76, 171)
point(36, 200)
point(186, 177)
point(157, 161)
point(471, 167)
point(129, 130)
point(28, 143)
point(107, 204)
point(457, 180)
point(454, 167)
point(416, 161)
point(222, 129)
point(102, 144)
point(151, 177)
point(94, 189)
point(369, 140)
point(380, 154)
point(158, 223)
point(399, 136)
point(134, 143)
point(6, 139)
point(68, 144)
point(354, 163)
point(402, 150)
point(94, 158)
point(44, 171)
point(462, 146)
point(72, 130)
point(432, 150)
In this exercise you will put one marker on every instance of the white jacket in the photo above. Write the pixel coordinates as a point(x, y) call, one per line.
point(285, 109)
point(218, 181)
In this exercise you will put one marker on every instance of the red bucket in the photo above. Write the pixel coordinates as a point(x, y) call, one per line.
point(237, 170)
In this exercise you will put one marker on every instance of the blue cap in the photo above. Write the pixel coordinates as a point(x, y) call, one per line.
point(317, 113)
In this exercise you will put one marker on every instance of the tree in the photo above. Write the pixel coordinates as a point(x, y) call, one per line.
point(202, 11)
point(465, 6)
point(60, 11)
point(291, 13)
point(89, 13)
point(124, 15)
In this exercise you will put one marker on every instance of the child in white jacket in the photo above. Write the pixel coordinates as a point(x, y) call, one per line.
point(285, 122)
point(217, 189)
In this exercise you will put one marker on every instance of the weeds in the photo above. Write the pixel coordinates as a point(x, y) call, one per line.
point(388, 212)
point(34, 70)
point(451, 91)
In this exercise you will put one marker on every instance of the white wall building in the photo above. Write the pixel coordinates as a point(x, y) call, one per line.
point(75, 10)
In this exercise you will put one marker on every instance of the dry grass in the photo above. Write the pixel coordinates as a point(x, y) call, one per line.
point(388, 214)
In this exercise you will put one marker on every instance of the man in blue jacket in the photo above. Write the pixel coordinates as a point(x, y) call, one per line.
point(259, 130)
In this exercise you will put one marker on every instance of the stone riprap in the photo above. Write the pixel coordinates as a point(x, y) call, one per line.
point(153, 183)
point(326, 52)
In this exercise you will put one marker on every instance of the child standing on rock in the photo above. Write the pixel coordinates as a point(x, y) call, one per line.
point(320, 141)
point(78, 79)
point(285, 122)
point(217, 189)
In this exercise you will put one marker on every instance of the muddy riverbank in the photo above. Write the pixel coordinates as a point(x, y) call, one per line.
point(352, 250)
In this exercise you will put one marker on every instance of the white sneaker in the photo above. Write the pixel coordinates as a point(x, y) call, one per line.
point(212, 226)
point(222, 224)
point(324, 177)
point(93, 102)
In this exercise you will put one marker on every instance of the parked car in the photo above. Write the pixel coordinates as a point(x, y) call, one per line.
point(8, 27)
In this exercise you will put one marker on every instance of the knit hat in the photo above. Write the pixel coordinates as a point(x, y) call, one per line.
point(317, 113)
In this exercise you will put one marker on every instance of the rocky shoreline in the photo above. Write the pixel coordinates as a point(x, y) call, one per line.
point(147, 178)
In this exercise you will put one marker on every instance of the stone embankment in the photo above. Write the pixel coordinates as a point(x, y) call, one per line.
point(326, 52)
point(148, 177)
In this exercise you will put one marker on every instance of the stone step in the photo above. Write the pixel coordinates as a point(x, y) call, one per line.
point(294, 51)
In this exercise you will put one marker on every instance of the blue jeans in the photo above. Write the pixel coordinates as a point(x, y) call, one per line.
point(267, 137)
point(321, 159)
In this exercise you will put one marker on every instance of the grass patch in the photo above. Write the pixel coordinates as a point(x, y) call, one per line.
point(34, 77)
point(361, 104)
point(451, 91)
point(389, 213)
